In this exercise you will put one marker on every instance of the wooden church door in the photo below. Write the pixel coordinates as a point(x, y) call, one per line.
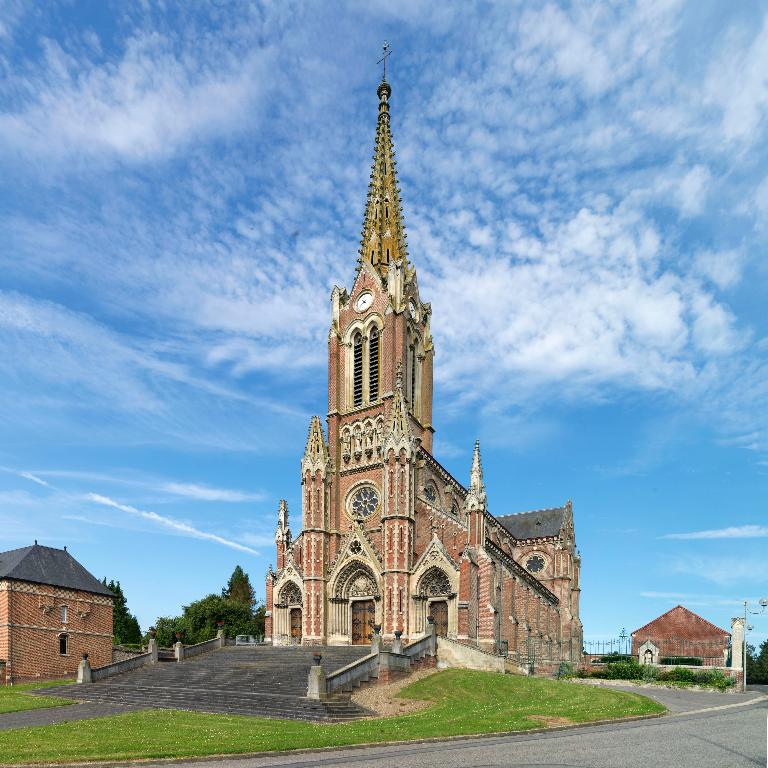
point(439, 611)
point(363, 621)
point(295, 625)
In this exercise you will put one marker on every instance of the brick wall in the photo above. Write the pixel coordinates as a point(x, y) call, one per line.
point(680, 632)
point(30, 627)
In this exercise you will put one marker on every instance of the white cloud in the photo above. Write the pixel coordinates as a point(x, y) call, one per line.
point(733, 532)
point(205, 493)
point(692, 190)
point(737, 84)
point(148, 104)
point(724, 570)
point(26, 476)
point(169, 523)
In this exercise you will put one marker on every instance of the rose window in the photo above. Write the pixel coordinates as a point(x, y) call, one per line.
point(364, 501)
point(535, 564)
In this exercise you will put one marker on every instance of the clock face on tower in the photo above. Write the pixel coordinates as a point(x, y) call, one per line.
point(363, 302)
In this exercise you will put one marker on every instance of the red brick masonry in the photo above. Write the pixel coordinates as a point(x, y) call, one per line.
point(30, 628)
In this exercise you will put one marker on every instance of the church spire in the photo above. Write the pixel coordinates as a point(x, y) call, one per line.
point(476, 495)
point(383, 237)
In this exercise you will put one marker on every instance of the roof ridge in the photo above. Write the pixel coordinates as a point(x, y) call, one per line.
point(687, 610)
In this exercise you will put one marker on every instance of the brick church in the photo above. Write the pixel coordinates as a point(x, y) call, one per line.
point(389, 536)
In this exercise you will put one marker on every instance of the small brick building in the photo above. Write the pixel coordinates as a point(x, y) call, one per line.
point(51, 612)
point(680, 632)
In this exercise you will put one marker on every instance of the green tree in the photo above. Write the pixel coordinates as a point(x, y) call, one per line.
point(239, 588)
point(757, 664)
point(125, 626)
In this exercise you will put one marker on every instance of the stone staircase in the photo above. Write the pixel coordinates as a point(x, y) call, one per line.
point(260, 681)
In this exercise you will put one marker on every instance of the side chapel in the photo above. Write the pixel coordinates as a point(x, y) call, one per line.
point(389, 536)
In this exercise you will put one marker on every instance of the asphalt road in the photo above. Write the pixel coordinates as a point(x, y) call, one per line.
point(726, 738)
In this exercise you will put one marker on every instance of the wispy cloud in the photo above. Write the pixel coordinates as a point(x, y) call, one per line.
point(692, 599)
point(734, 532)
point(205, 493)
point(747, 570)
point(26, 476)
point(169, 523)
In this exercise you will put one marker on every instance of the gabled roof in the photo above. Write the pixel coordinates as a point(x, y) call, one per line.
point(46, 565)
point(538, 524)
point(686, 614)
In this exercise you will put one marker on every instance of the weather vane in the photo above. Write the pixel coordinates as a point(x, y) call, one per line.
point(383, 59)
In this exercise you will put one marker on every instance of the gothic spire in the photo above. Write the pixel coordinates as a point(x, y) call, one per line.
point(383, 237)
point(316, 453)
point(476, 485)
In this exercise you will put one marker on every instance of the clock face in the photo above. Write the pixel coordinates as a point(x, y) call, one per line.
point(535, 563)
point(364, 501)
point(412, 309)
point(363, 302)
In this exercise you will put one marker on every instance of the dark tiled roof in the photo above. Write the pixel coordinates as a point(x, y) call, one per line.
point(539, 524)
point(46, 565)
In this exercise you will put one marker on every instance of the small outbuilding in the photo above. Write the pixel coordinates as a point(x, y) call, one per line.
point(681, 634)
point(52, 611)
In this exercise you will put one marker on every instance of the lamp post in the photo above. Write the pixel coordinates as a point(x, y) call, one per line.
point(763, 605)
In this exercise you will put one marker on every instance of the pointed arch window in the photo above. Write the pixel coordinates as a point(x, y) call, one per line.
point(413, 377)
point(373, 364)
point(357, 369)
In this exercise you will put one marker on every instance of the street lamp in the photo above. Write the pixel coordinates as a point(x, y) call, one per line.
point(763, 605)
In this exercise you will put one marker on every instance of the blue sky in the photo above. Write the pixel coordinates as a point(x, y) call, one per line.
point(586, 195)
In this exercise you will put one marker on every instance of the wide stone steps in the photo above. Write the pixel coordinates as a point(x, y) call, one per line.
point(262, 681)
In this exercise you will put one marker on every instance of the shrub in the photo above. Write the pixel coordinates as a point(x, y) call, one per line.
point(624, 670)
point(680, 675)
point(691, 661)
point(611, 657)
point(565, 669)
point(715, 678)
point(650, 673)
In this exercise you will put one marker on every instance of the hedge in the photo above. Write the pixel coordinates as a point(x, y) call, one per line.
point(691, 661)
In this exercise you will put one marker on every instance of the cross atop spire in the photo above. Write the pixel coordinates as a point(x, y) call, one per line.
point(383, 60)
point(383, 240)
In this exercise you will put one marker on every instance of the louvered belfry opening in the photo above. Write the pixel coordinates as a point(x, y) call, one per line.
point(358, 369)
point(373, 364)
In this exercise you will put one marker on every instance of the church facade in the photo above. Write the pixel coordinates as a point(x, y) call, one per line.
point(388, 536)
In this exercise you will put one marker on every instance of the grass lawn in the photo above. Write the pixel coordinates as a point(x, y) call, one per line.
point(13, 698)
point(465, 702)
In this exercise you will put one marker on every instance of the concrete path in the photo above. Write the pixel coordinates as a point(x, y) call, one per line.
point(731, 738)
point(63, 714)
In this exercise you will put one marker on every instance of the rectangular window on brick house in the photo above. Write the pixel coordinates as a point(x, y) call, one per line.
point(63, 645)
point(64, 614)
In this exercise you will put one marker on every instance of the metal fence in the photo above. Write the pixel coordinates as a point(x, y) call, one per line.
point(711, 652)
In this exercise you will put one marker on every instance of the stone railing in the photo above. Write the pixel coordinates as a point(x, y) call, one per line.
point(360, 671)
point(118, 667)
point(452, 653)
point(382, 664)
point(188, 651)
point(87, 674)
point(425, 646)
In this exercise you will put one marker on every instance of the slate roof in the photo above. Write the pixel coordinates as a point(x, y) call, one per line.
point(46, 565)
point(538, 524)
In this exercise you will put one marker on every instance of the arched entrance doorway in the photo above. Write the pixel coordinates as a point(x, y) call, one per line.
point(354, 605)
point(434, 593)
